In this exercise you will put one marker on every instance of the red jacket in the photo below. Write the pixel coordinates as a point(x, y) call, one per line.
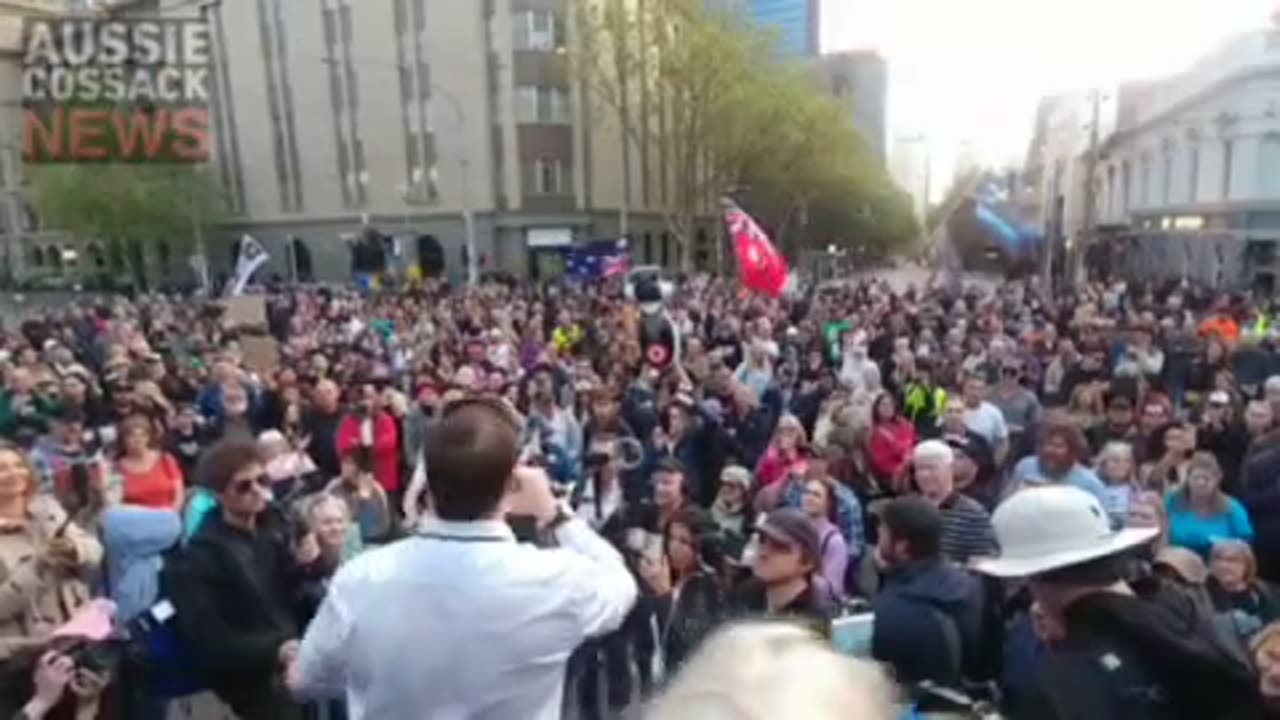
point(773, 465)
point(890, 446)
point(386, 447)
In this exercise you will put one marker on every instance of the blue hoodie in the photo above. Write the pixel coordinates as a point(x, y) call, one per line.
point(135, 539)
point(910, 612)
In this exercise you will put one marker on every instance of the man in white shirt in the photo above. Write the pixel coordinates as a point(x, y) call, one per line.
point(983, 418)
point(461, 622)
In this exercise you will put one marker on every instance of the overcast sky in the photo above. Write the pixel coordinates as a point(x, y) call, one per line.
point(972, 70)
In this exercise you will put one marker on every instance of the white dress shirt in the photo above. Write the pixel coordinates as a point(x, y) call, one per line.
point(459, 622)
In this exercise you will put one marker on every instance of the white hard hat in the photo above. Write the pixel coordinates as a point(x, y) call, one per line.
point(1050, 527)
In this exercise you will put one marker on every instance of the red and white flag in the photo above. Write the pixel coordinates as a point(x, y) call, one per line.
point(761, 266)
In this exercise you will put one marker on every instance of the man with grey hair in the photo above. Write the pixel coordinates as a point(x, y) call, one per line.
point(1271, 392)
point(966, 525)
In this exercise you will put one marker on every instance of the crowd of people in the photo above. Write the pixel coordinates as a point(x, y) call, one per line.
point(518, 501)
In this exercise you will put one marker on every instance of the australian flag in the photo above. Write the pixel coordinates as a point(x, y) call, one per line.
point(598, 260)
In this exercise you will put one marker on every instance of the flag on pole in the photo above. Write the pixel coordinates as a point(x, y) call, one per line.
point(251, 257)
point(762, 268)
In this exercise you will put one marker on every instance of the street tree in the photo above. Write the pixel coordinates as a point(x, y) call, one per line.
point(721, 113)
point(679, 79)
point(138, 212)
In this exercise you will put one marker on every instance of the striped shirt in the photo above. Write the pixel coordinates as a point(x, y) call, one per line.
point(966, 529)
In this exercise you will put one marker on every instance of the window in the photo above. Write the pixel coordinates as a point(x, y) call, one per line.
point(1269, 166)
point(1111, 190)
point(542, 105)
point(401, 17)
point(1193, 173)
point(344, 16)
point(330, 33)
point(428, 184)
point(412, 111)
point(550, 177)
point(1126, 181)
point(1228, 161)
point(535, 30)
point(1166, 178)
point(419, 17)
point(1145, 193)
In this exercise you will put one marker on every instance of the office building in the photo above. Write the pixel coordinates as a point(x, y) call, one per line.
point(860, 81)
point(425, 119)
point(797, 23)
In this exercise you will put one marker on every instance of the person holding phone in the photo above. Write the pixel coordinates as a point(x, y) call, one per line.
point(494, 621)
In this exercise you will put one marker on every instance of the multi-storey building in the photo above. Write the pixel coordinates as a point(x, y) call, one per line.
point(797, 23)
point(430, 120)
point(860, 81)
point(1193, 169)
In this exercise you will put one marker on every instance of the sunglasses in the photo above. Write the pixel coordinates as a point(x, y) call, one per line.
point(247, 486)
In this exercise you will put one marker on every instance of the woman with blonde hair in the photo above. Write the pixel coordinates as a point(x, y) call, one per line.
point(48, 558)
point(1119, 473)
point(1200, 513)
point(1146, 509)
point(1235, 590)
point(768, 670)
point(785, 451)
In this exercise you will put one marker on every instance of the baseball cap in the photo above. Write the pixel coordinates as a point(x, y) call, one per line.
point(973, 447)
point(792, 527)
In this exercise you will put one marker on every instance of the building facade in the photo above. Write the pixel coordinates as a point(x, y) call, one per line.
point(1192, 172)
point(429, 120)
point(911, 166)
point(860, 81)
point(797, 23)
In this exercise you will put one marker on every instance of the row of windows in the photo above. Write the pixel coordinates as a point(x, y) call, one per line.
point(1145, 188)
point(280, 105)
point(344, 93)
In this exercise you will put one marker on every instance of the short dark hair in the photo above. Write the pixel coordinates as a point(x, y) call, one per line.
point(669, 465)
point(223, 460)
point(470, 453)
point(916, 521)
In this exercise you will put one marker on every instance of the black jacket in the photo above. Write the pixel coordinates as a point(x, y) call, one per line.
point(810, 609)
point(1259, 492)
point(685, 618)
point(236, 596)
point(1140, 658)
point(928, 620)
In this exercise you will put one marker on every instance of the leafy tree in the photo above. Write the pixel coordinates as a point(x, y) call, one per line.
point(130, 208)
point(679, 78)
point(726, 115)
